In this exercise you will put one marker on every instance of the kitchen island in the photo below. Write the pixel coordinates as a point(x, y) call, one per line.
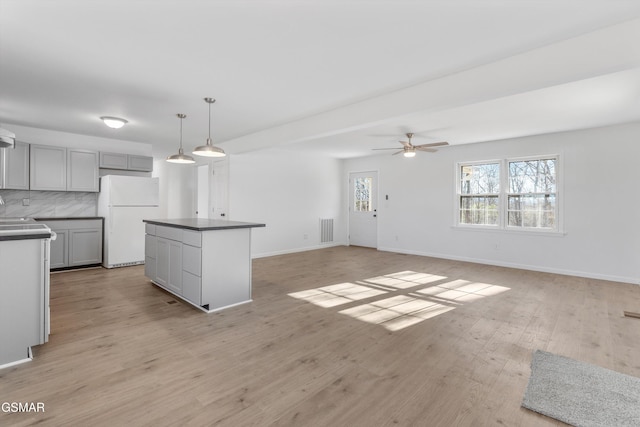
point(24, 288)
point(205, 262)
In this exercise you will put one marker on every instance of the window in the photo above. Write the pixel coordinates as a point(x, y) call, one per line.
point(362, 194)
point(479, 193)
point(509, 194)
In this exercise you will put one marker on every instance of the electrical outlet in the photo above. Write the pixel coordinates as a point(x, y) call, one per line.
point(26, 202)
point(305, 237)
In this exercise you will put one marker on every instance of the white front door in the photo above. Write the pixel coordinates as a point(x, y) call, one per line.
point(363, 212)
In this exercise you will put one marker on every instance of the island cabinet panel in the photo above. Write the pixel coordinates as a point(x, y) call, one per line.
point(14, 167)
point(226, 267)
point(215, 260)
point(169, 264)
point(191, 259)
point(191, 288)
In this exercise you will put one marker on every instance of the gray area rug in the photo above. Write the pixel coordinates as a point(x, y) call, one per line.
point(581, 394)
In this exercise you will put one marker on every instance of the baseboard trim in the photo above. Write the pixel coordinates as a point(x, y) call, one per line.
point(296, 250)
point(541, 269)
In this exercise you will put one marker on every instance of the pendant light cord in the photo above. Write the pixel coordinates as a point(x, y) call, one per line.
point(209, 121)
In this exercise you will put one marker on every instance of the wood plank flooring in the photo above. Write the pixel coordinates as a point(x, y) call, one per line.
point(120, 354)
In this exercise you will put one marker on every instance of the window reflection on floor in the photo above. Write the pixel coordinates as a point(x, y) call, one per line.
point(393, 301)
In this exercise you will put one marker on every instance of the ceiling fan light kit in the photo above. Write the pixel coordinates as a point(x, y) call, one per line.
point(180, 157)
point(209, 150)
point(409, 150)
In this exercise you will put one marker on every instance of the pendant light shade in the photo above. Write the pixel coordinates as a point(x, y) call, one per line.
point(180, 157)
point(209, 150)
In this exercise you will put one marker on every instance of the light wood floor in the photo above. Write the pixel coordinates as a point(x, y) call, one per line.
point(120, 354)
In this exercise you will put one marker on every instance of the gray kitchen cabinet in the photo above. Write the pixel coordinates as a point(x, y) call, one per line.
point(169, 264)
point(139, 163)
point(59, 253)
point(48, 168)
point(150, 251)
point(206, 263)
point(113, 160)
point(78, 242)
point(85, 247)
point(61, 169)
point(14, 167)
point(130, 162)
point(82, 170)
point(24, 293)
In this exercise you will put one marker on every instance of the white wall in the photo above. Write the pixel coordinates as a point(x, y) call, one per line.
point(599, 195)
point(177, 189)
point(289, 192)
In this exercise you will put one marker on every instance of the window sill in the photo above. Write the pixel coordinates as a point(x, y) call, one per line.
point(544, 233)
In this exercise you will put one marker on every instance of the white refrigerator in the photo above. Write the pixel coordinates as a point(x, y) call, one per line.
point(124, 201)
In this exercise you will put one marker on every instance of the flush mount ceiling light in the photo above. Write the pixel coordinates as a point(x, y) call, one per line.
point(209, 150)
point(113, 122)
point(180, 157)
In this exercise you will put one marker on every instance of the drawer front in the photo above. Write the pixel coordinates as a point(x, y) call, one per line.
point(191, 286)
point(169, 233)
point(192, 238)
point(150, 229)
point(191, 259)
point(150, 246)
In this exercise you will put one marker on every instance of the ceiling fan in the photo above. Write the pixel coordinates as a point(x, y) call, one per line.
point(409, 149)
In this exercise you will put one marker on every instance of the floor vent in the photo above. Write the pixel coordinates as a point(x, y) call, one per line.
point(326, 230)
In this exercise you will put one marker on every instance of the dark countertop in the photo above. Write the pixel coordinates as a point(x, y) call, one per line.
point(70, 218)
point(23, 230)
point(200, 224)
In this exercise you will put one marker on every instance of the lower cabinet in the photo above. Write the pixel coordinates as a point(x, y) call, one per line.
point(173, 262)
point(169, 264)
point(78, 242)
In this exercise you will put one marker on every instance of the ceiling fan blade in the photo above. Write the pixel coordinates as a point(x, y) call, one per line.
point(430, 150)
point(406, 144)
point(399, 151)
point(375, 149)
point(435, 144)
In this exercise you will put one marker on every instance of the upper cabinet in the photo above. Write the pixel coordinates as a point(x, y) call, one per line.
point(63, 169)
point(113, 160)
point(139, 163)
point(82, 170)
point(14, 167)
point(48, 168)
point(130, 162)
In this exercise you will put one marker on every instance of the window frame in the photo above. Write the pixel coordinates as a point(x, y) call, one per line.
point(504, 193)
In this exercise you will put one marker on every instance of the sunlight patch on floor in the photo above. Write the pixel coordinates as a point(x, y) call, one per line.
point(399, 311)
point(334, 295)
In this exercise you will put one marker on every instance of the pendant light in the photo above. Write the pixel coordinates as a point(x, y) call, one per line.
point(180, 157)
point(209, 150)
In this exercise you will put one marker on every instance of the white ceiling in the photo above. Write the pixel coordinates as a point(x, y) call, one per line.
point(336, 77)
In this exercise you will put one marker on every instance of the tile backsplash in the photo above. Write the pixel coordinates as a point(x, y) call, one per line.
point(46, 204)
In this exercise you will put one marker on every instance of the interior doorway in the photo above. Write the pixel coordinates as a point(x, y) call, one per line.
point(202, 192)
point(363, 209)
